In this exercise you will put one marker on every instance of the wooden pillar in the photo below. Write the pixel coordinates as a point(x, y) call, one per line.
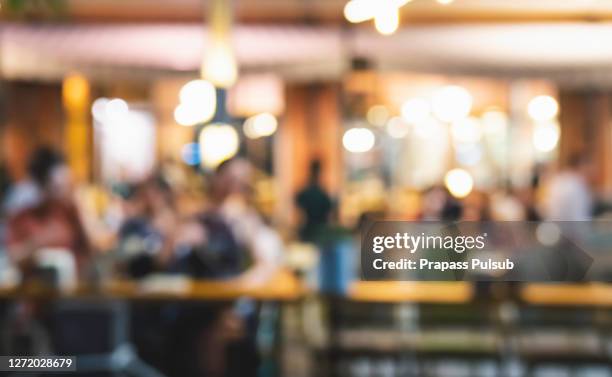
point(586, 130)
point(311, 128)
point(34, 118)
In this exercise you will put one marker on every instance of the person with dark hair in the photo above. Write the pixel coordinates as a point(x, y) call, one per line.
point(315, 203)
point(54, 221)
point(233, 243)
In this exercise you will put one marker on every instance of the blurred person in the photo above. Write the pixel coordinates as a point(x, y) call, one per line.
point(439, 205)
point(569, 196)
point(54, 221)
point(315, 204)
point(146, 236)
point(229, 240)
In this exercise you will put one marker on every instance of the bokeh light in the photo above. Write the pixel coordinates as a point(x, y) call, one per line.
point(543, 108)
point(459, 182)
point(378, 115)
point(546, 136)
point(98, 109)
point(452, 103)
point(358, 140)
point(218, 142)
point(219, 65)
point(197, 103)
point(356, 11)
point(190, 154)
point(115, 109)
point(260, 125)
point(387, 20)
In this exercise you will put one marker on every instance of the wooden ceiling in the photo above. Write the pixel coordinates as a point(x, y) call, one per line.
point(313, 11)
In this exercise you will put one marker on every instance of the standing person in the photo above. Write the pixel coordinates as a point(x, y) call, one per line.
point(54, 221)
point(315, 203)
point(569, 196)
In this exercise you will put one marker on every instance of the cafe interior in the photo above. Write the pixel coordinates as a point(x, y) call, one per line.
point(183, 183)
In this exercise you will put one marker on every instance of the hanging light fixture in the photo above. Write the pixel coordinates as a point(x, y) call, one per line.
point(219, 64)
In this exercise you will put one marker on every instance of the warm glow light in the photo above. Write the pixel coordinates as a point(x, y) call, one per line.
point(358, 140)
point(261, 125)
point(543, 108)
point(459, 183)
point(378, 115)
point(198, 92)
point(198, 103)
point(218, 142)
point(466, 130)
point(359, 10)
point(75, 91)
point(219, 66)
point(445, 2)
point(186, 115)
point(416, 110)
point(386, 20)
point(546, 136)
point(397, 128)
point(451, 103)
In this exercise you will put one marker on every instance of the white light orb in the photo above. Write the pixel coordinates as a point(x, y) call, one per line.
point(546, 136)
point(198, 92)
point(261, 125)
point(445, 2)
point(219, 65)
point(218, 142)
point(98, 109)
point(459, 182)
point(452, 103)
point(543, 108)
point(356, 11)
point(466, 130)
point(116, 109)
point(358, 140)
point(198, 103)
point(186, 115)
point(397, 128)
point(416, 110)
point(387, 19)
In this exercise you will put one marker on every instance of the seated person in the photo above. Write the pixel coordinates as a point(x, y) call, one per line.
point(229, 240)
point(54, 221)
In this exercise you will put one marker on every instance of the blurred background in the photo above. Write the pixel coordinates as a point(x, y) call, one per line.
point(182, 183)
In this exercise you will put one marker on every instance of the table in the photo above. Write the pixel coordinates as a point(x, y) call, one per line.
point(283, 286)
point(404, 291)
